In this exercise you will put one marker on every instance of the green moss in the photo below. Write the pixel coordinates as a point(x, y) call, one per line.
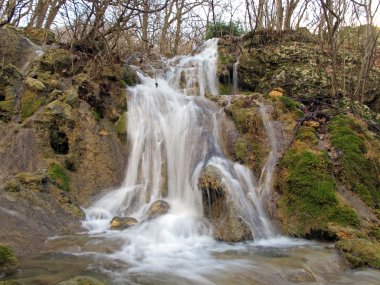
point(225, 89)
point(225, 59)
point(361, 252)
point(121, 126)
point(289, 103)
point(309, 198)
point(8, 260)
point(96, 115)
point(240, 147)
point(7, 105)
point(59, 175)
point(30, 102)
point(307, 134)
point(358, 172)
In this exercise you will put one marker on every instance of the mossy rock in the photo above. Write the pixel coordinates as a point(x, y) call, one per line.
point(360, 252)
point(7, 105)
point(57, 60)
point(358, 171)
point(82, 280)
point(59, 175)
point(30, 102)
point(309, 201)
point(11, 282)
point(121, 126)
point(8, 260)
point(34, 84)
point(40, 36)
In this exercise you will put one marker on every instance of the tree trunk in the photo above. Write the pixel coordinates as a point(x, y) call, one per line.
point(279, 14)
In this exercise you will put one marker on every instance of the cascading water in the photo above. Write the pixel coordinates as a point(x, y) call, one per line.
point(235, 76)
point(172, 138)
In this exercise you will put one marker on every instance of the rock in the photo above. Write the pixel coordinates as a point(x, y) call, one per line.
point(228, 226)
point(34, 84)
point(312, 123)
point(275, 93)
point(158, 208)
point(300, 276)
point(57, 60)
point(8, 260)
point(121, 223)
point(12, 186)
point(40, 36)
point(82, 280)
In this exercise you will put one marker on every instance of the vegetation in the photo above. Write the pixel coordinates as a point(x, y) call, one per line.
point(30, 102)
point(59, 176)
point(220, 29)
point(8, 259)
point(358, 172)
point(309, 201)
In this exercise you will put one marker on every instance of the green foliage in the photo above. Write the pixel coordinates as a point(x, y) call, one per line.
point(128, 77)
point(96, 115)
point(59, 175)
point(8, 259)
point(7, 105)
point(225, 89)
point(30, 102)
point(220, 29)
point(357, 171)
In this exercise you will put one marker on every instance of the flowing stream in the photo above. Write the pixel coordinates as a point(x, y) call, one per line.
point(173, 136)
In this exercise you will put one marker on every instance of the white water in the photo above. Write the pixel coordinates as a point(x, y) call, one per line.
point(235, 77)
point(172, 138)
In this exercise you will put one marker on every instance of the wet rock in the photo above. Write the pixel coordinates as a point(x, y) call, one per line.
point(221, 213)
point(82, 280)
point(300, 276)
point(158, 208)
point(121, 223)
point(35, 84)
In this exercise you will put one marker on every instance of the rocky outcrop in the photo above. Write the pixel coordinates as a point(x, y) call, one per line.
point(121, 223)
point(219, 210)
point(57, 149)
point(158, 208)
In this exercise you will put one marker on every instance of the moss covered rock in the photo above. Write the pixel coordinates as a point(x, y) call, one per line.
point(358, 164)
point(57, 60)
point(8, 260)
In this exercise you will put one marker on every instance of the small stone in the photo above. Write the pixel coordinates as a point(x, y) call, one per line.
point(158, 208)
point(103, 133)
point(275, 93)
point(121, 223)
point(300, 276)
point(313, 124)
point(34, 84)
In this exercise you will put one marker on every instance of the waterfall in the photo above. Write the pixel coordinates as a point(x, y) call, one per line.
point(173, 137)
point(235, 76)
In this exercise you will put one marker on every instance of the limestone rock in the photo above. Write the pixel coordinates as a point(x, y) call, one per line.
point(312, 123)
point(57, 60)
point(158, 208)
point(35, 84)
point(275, 93)
point(228, 226)
point(82, 280)
point(121, 223)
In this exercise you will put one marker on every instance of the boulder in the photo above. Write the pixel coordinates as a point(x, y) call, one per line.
point(222, 214)
point(121, 223)
point(34, 84)
point(300, 276)
point(158, 208)
point(275, 93)
point(57, 60)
